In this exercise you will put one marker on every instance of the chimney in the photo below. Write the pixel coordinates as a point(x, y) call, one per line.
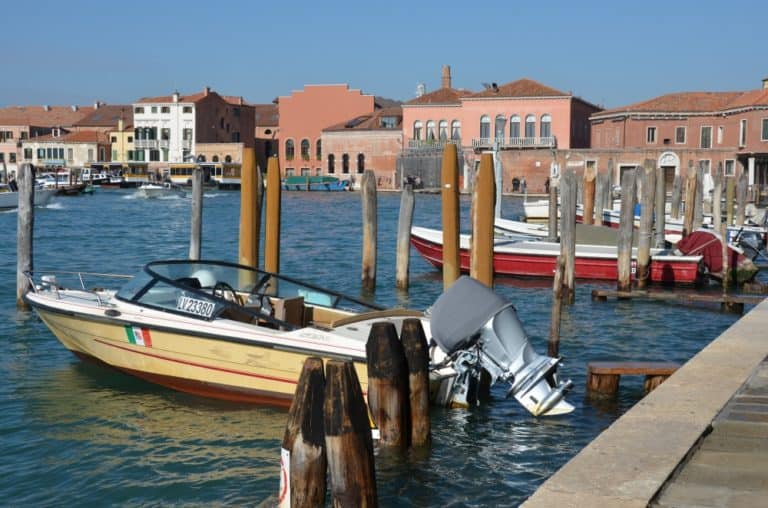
point(176, 96)
point(46, 107)
point(74, 108)
point(207, 91)
point(765, 83)
point(120, 125)
point(446, 81)
point(96, 105)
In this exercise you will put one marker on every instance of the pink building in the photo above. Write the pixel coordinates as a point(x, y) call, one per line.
point(711, 129)
point(302, 117)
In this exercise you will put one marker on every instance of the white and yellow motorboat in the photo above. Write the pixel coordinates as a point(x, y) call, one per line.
point(231, 332)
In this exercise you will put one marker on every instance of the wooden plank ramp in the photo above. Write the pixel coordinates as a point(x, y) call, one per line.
point(734, 303)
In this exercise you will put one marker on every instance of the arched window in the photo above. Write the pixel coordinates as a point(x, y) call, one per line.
point(514, 126)
point(345, 163)
point(485, 127)
point(443, 130)
point(305, 149)
point(530, 126)
point(215, 158)
point(228, 158)
point(455, 130)
point(360, 163)
point(500, 126)
point(431, 134)
point(417, 130)
point(546, 126)
point(289, 149)
point(318, 150)
point(201, 158)
point(331, 164)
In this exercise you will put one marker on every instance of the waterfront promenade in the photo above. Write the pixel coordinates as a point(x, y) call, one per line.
point(661, 452)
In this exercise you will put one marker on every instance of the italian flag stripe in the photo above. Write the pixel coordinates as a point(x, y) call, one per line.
point(138, 336)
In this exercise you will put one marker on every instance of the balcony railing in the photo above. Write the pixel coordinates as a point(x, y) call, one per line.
point(545, 142)
point(164, 143)
point(145, 143)
point(186, 143)
point(431, 144)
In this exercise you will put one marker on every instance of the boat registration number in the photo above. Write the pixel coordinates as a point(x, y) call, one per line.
point(195, 306)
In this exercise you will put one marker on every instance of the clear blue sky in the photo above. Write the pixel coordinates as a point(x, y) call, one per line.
point(611, 53)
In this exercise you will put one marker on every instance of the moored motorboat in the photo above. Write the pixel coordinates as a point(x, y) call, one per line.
point(9, 196)
point(160, 190)
point(536, 210)
point(539, 258)
point(231, 332)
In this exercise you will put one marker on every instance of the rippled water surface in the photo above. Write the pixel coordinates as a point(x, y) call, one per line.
point(73, 433)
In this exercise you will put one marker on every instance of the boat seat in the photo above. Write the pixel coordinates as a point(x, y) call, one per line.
point(376, 314)
point(290, 310)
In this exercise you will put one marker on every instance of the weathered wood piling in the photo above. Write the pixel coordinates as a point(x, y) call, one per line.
point(303, 459)
point(741, 199)
point(589, 195)
point(646, 174)
point(416, 351)
point(717, 196)
point(196, 219)
point(568, 234)
point(348, 441)
point(250, 217)
point(370, 230)
point(626, 227)
point(552, 220)
point(481, 255)
point(450, 207)
point(660, 205)
point(677, 195)
point(690, 199)
point(403, 248)
point(272, 224)
point(24, 232)
point(388, 385)
point(553, 347)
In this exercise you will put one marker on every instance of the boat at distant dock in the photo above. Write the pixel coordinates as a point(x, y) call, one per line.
point(315, 183)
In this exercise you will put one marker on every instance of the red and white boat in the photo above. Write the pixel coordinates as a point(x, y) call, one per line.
point(538, 259)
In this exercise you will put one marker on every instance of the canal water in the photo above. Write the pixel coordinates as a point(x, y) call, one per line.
point(78, 434)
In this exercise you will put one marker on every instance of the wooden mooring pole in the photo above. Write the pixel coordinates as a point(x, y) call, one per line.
point(626, 227)
point(24, 232)
point(388, 385)
point(348, 441)
point(196, 219)
point(303, 461)
point(698, 209)
point(450, 204)
point(272, 223)
point(660, 211)
point(481, 255)
point(568, 234)
point(589, 195)
point(730, 192)
point(249, 225)
point(741, 198)
point(552, 219)
point(717, 196)
point(553, 349)
point(370, 231)
point(677, 193)
point(646, 174)
point(404, 224)
point(416, 350)
point(690, 200)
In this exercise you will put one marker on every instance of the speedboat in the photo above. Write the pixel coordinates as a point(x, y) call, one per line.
point(232, 332)
point(9, 196)
point(159, 190)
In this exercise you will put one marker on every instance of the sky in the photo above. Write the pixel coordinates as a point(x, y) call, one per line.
point(608, 53)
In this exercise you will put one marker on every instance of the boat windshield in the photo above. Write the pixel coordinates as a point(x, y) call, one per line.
point(205, 288)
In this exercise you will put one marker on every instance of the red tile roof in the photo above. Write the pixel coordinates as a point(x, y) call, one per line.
point(74, 137)
point(266, 115)
point(107, 116)
point(440, 96)
point(39, 116)
point(169, 98)
point(521, 88)
point(694, 102)
point(370, 121)
point(750, 99)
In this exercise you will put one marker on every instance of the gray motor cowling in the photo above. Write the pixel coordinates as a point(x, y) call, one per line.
point(478, 329)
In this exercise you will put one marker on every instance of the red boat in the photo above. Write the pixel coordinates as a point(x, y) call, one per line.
point(538, 259)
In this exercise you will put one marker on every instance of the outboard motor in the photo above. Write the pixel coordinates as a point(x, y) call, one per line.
point(480, 332)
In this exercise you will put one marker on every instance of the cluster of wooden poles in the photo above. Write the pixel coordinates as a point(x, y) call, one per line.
point(329, 425)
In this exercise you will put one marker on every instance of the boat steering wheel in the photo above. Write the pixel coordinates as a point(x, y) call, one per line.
point(227, 292)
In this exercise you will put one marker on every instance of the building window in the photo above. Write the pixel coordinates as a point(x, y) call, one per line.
point(2, 157)
point(443, 130)
point(41, 153)
point(706, 137)
point(289, 149)
point(154, 155)
point(165, 134)
point(680, 135)
point(514, 126)
point(499, 126)
point(360, 163)
point(318, 150)
point(456, 130)
point(485, 127)
point(730, 167)
point(186, 109)
point(165, 109)
point(417, 130)
point(706, 166)
point(530, 126)
point(114, 155)
point(743, 132)
point(345, 163)
point(70, 154)
point(546, 126)
point(228, 158)
point(331, 164)
point(90, 154)
point(27, 154)
point(138, 110)
point(764, 130)
point(130, 139)
point(102, 153)
point(289, 171)
point(12, 157)
point(304, 171)
point(720, 131)
point(650, 135)
point(388, 122)
point(305, 150)
point(215, 158)
point(431, 134)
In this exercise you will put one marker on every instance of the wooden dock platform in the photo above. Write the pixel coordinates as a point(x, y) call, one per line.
point(730, 302)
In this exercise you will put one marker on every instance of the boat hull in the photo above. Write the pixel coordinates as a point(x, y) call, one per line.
point(541, 262)
point(207, 366)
